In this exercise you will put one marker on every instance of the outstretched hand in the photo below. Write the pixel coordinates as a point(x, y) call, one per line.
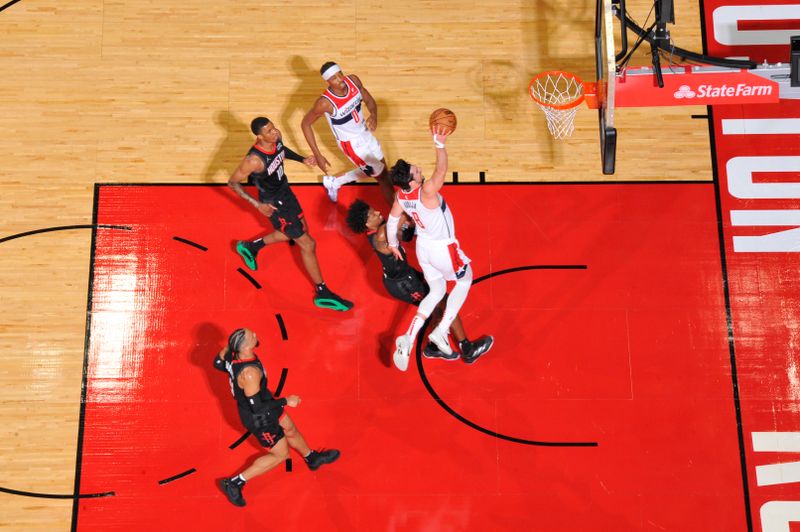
point(440, 134)
point(267, 209)
point(293, 400)
point(396, 252)
point(310, 161)
point(322, 163)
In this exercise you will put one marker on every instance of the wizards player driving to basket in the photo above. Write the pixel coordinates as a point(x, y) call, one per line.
point(438, 252)
point(341, 106)
point(263, 164)
point(407, 284)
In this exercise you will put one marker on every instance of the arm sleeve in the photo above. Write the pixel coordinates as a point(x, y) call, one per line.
point(290, 154)
point(391, 230)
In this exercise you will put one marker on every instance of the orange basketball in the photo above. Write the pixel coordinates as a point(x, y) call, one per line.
point(444, 118)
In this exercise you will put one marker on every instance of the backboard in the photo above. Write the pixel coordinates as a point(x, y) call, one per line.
point(606, 65)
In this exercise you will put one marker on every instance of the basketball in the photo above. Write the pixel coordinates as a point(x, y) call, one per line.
point(444, 118)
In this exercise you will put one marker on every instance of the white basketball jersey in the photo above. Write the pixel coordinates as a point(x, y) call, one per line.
point(432, 224)
point(347, 120)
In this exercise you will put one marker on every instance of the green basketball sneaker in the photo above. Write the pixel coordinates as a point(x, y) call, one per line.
point(327, 299)
point(249, 257)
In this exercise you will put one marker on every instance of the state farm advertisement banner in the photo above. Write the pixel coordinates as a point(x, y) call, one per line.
point(683, 87)
point(757, 151)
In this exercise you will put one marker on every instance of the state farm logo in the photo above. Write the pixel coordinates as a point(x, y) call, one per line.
point(722, 91)
point(684, 91)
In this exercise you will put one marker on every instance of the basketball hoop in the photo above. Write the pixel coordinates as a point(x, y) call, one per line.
point(558, 94)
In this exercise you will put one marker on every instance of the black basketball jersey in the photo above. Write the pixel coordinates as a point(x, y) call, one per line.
point(234, 368)
point(271, 183)
point(392, 268)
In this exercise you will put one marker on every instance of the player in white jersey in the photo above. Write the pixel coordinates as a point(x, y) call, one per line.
point(438, 252)
point(341, 104)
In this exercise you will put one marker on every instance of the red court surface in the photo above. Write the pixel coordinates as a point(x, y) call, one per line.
point(607, 402)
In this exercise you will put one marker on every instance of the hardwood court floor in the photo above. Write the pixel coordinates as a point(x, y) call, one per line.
point(161, 91)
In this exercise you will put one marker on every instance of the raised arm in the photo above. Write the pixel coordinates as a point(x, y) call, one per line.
point(436, 181)
point(220, 359)
point(369, 101)
point(321, 106)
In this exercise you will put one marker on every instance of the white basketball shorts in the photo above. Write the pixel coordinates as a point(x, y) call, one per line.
point(365, 152)
point(441, 258)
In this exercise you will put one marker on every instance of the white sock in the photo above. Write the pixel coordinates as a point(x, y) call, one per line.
point(348, 177)
point(416, 324)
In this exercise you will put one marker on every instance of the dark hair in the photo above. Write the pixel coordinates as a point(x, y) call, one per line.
point(235, 340)
point(326, 66)
point(401, 175)
point(258, 123)
point(357, 216)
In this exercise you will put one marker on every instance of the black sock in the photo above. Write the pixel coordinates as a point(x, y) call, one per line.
point(321, 287)
point(238, 481)
point(256, 245)
point(306, 458)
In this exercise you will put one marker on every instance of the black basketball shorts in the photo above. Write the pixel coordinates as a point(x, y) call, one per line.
point(288, 219)
point(410, 288)
point(269, 436)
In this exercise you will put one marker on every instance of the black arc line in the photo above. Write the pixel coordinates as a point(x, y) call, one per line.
point(57, 495)
point(282, 325)
point(11, 3)
point(189, 242)
point(525, 268)
point(249, 278)
point(40, 495)
point(65, 228)
point(240, 441)
point(281, 382)
point(466, 421)
point(176, 477)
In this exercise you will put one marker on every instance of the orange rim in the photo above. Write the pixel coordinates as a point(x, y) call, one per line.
point(569, 105)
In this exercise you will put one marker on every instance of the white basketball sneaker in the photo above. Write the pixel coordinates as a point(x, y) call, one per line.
point(329, 182)
point(402, 353)
point(441, 341)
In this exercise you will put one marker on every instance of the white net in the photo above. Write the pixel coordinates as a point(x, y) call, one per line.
point(558, 94)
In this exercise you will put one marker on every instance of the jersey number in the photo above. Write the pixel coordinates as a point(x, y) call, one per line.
point(355, 117)
point(417, 220)
point(280, 172)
